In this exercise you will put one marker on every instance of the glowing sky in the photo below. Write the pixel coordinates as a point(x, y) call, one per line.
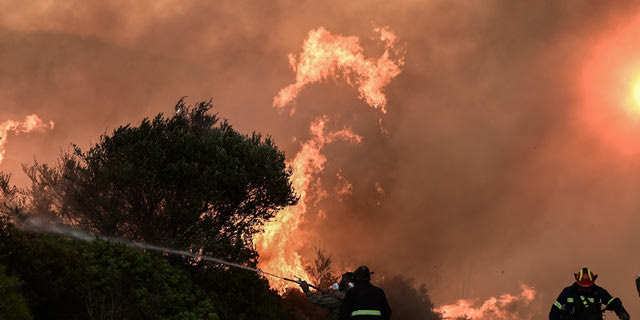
point(507, 155)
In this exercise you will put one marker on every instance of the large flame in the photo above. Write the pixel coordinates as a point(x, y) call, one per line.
point(30, 123)
point(325, 55)
point(278, 245)
point(504, 307)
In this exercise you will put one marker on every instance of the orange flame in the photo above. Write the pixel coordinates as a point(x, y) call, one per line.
point(278, 244)
point(325, 55)
point(30, 123)
point(344, 187)
point(505, 307)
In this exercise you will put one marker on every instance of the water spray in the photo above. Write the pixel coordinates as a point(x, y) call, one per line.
point(41, 226)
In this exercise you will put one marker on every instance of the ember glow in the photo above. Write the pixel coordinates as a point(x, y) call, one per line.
point(325, 55)
point(279, 243)
point(31, 123)
point(504, 307)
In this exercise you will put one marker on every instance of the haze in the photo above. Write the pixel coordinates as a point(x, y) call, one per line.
point(481, 176)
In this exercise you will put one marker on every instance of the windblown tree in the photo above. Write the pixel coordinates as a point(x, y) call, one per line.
point(189, 181)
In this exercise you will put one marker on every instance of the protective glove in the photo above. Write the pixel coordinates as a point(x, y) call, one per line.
point(624, 316)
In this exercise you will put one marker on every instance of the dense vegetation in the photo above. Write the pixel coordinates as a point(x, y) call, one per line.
point(190, 182)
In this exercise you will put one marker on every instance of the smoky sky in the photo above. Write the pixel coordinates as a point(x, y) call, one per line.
point(487, 178)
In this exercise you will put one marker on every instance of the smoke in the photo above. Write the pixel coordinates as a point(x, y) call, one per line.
point(486, 177)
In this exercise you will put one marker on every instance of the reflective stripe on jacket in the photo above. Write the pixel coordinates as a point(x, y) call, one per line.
point(363, 302)
point(578, 302)
point(366, 313)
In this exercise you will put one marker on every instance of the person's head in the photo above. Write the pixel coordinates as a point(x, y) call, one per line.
point(362, 274)
point(585, 277)
point(346, 277)
point(346, 282)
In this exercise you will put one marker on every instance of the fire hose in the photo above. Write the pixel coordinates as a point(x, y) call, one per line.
point(298, 281)
point(42, 226)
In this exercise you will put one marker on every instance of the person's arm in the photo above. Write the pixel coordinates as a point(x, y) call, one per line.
point(614, 304)
point(558, 308)
point(325, 301)
point(385, 309)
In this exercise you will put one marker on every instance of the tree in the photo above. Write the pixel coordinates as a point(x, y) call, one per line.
point(69, 279)
point(11, 201)
point(12, 304)
point(189, 182)
point(321, 272)
point(240, 294)
point(407, 301)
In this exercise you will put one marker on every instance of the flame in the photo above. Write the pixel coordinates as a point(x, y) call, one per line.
point(31, 123)
point(326, 55)
point(505, 307)
point(323, 56)
point(344, 187)
point(278, 244)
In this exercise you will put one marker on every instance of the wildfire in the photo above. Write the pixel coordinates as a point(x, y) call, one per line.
point(30, 123)
point(325, 55)
point(278, 244)
point(344, 187)
point(504, 307)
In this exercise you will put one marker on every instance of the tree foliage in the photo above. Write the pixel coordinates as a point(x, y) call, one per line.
point(240, 294)
point(298, 302)
point(408, 301)
point(189, 181)
point(321, 272)
point(67, 279)
point(13, 305)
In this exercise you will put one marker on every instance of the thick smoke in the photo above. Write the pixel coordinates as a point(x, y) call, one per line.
point(484, 177)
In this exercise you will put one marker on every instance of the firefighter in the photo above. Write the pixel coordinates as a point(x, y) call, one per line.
point(583, 300)
point(331, 301)
point(365, 301)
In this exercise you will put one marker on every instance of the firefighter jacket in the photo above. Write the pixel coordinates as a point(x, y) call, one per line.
point(363, 302)
point(329, 301)
point(579, 303)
